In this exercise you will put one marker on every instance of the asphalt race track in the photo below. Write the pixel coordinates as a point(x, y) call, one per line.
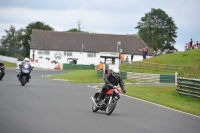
point(50, 106)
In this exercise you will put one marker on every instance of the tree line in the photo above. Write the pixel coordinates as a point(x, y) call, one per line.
point(156, 28)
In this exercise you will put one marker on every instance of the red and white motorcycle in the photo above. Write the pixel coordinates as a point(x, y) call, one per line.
point(109, 102)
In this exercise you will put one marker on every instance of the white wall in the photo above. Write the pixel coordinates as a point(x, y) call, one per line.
point(8, 59)
point(81, 56)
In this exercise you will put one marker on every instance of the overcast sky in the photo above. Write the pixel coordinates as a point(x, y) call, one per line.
point(101, 16)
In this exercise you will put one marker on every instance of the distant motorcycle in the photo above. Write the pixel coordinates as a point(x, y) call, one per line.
point(25, 73)
point(109, 102)
point(2, 71)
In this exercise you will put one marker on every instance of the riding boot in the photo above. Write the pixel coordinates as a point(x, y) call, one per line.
point(19, 77)
point(100, 97)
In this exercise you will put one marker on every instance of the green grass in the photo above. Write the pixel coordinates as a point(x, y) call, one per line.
point(81, 76)
point(166, 96)
point(9, 65)
point(187, 58)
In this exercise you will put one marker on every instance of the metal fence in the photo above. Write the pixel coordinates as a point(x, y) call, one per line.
point(13, 51)
point(188, 86)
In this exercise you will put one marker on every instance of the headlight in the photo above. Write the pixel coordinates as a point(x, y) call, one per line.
point(25, 71)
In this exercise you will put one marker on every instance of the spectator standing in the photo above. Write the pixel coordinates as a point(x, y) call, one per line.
point(147, 51)
point(186, 46)
point(100, 66)
point(122, 58)
point(144, 52)
point(132, 57)
point(127, 59)
point(191, 44)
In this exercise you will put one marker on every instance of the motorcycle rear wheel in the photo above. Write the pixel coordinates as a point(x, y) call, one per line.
point(110, 108)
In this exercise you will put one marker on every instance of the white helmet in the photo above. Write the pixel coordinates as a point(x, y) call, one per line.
point(26, 59)
point(115, 72)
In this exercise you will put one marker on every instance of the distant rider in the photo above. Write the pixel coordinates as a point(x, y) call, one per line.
point(111, 81)
point(25, 61)
point(2, 68)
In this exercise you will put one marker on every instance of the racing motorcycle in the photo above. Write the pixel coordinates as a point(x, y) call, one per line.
point(109, 102)
point(2, 69)
point(25, 73)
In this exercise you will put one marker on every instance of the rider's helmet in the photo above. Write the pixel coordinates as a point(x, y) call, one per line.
point(26, 59)
point(115, 72)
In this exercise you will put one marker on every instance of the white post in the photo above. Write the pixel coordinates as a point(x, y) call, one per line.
point(176, 75)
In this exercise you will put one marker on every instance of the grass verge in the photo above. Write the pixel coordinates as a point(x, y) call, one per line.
point(9, 65)
point(166, 96)
point(81, 76)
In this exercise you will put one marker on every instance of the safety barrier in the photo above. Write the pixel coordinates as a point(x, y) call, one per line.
point(145, 77)
point(153, 78)
point(78, 67)
point(188, 86)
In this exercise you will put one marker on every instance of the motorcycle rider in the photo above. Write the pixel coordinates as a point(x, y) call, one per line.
point(2, 68)
point(26, 60)
point(111, 81)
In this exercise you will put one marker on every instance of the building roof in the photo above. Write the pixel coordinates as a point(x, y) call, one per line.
point(91, 42)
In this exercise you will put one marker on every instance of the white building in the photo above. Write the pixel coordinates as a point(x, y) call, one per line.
point(81, 48)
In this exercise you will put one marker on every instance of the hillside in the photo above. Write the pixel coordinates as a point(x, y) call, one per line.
point(187, 58)
point(187, 64)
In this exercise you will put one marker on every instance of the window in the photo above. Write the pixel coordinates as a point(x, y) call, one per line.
point(67, 53)
point(91, 54)
point(46, 52)
point(40, 52)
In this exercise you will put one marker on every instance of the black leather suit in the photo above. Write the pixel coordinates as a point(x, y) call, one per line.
point(110, 79)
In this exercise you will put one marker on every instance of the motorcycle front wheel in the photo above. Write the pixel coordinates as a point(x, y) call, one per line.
point(94, 108)
point(110, 108)
point(23, 81)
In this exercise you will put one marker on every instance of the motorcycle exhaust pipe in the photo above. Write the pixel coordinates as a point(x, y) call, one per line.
point(94, 101)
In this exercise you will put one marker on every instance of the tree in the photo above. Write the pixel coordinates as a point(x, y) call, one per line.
point(73, 30)
point(11, 42)
point(28, 31)
point(157, 29)
point(13, 37)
